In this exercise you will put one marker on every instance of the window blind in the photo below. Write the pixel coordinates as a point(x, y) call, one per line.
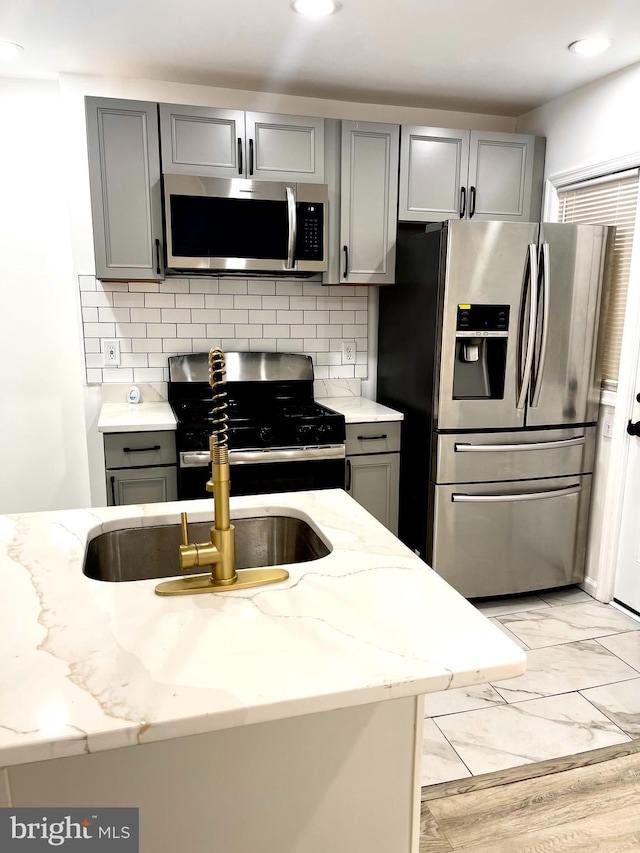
point(609, 200)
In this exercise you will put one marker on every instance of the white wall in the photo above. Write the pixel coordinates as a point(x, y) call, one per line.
point(597, 128)
point(593, 125)
point(43, 455)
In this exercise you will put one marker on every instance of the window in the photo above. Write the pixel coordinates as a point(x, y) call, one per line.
point(610, 200)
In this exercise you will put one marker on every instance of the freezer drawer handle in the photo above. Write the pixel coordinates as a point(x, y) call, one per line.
point(531, 496)
point(536, 445)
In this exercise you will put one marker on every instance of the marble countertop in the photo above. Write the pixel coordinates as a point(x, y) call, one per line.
point(88, 665)
point(136, 417)
point(358, 410)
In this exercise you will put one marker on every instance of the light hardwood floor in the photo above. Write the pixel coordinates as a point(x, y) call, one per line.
point(588, 803)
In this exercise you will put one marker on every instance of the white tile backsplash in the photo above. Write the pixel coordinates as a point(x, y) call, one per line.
point(154, 320)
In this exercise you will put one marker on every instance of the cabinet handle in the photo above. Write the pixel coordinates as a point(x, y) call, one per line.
point(140, 449)
point(240, 165)
point(251, 156)
point(463, 201)
point(113, 490)
point(472, 202)
point(157, 256)
point(345, 249)
point(372, 437)
point(348, 486)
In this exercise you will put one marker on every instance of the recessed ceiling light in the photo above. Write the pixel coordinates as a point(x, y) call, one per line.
point(591, 46)
point(315, 8)
point(9, 50)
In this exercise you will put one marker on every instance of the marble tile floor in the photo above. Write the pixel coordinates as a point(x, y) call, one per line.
point(581, 690)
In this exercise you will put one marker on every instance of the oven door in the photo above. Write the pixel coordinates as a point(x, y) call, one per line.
point(261, 472)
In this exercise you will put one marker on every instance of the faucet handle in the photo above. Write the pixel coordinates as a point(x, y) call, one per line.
point(185, 528)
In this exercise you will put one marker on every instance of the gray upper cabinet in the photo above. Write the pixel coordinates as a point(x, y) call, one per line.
point(124, 177)
point(222, 143)
point(447, 174)
point(368, 203)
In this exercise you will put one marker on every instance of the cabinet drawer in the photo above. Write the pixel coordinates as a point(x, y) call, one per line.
point(379, 437)
point(136, 449)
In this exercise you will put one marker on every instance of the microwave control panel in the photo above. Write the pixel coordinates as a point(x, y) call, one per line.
point(309, 242)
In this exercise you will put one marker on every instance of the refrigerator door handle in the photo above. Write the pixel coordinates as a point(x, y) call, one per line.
point(528, 282)
point(460, 447)
point(521, 496)
point(545, 275)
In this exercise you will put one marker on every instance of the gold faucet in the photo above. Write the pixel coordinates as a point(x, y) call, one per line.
point(220, 552)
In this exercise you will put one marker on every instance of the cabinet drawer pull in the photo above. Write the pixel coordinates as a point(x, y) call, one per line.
point(372, 437)
point(140, 449)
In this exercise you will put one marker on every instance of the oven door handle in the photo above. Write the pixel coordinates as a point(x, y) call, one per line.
point(194, 458)
point(286, 454)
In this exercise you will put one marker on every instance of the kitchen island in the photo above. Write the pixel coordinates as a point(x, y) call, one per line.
point(285, 718)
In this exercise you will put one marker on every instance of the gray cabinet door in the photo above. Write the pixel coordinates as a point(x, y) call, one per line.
point(124, 177)
point(220, 143)
point(202, 141)
point(368, 202)
point(373, 481)
point(284, 148)
point(141, 485)
point(500, 180)
point(433, 174)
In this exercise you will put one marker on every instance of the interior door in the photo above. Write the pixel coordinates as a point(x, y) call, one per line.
point(627, 582)
point(565, 387)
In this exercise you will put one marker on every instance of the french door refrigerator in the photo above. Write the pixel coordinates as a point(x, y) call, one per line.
point(488, 343)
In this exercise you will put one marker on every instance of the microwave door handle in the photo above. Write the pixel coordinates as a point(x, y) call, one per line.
point(529, 282)
point(291, 212)
point(545, 275)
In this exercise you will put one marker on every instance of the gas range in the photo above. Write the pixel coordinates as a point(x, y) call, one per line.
point(272, 418)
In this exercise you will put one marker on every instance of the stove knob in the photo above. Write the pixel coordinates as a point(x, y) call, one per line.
point(304, 433)
point(266, 434)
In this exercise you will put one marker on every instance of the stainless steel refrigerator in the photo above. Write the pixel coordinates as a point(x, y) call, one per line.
point(488, 343)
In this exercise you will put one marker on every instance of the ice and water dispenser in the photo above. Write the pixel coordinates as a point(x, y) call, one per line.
point(482, 332)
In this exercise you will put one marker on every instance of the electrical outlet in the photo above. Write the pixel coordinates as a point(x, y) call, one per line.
point(348, 352)
point(111, 353)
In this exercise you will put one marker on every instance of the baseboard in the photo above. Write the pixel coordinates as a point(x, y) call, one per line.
point(589, 586)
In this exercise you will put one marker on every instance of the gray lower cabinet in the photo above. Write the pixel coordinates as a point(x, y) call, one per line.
point(140, 467)
point(469, 174)
point(124, 178)
point(221, 143)
point(368, 204)
point(373, 469)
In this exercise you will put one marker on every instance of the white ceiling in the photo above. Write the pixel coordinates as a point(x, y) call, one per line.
point(490, 56)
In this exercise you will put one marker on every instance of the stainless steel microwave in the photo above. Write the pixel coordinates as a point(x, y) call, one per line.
point(235, 225)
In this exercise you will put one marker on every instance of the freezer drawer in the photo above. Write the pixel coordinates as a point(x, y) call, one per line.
point(476, 457)
point(492, 539)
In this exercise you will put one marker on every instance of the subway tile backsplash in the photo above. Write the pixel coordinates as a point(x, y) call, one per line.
point(154, 320)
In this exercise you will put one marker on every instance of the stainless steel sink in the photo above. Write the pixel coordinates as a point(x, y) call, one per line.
point(141, 553)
